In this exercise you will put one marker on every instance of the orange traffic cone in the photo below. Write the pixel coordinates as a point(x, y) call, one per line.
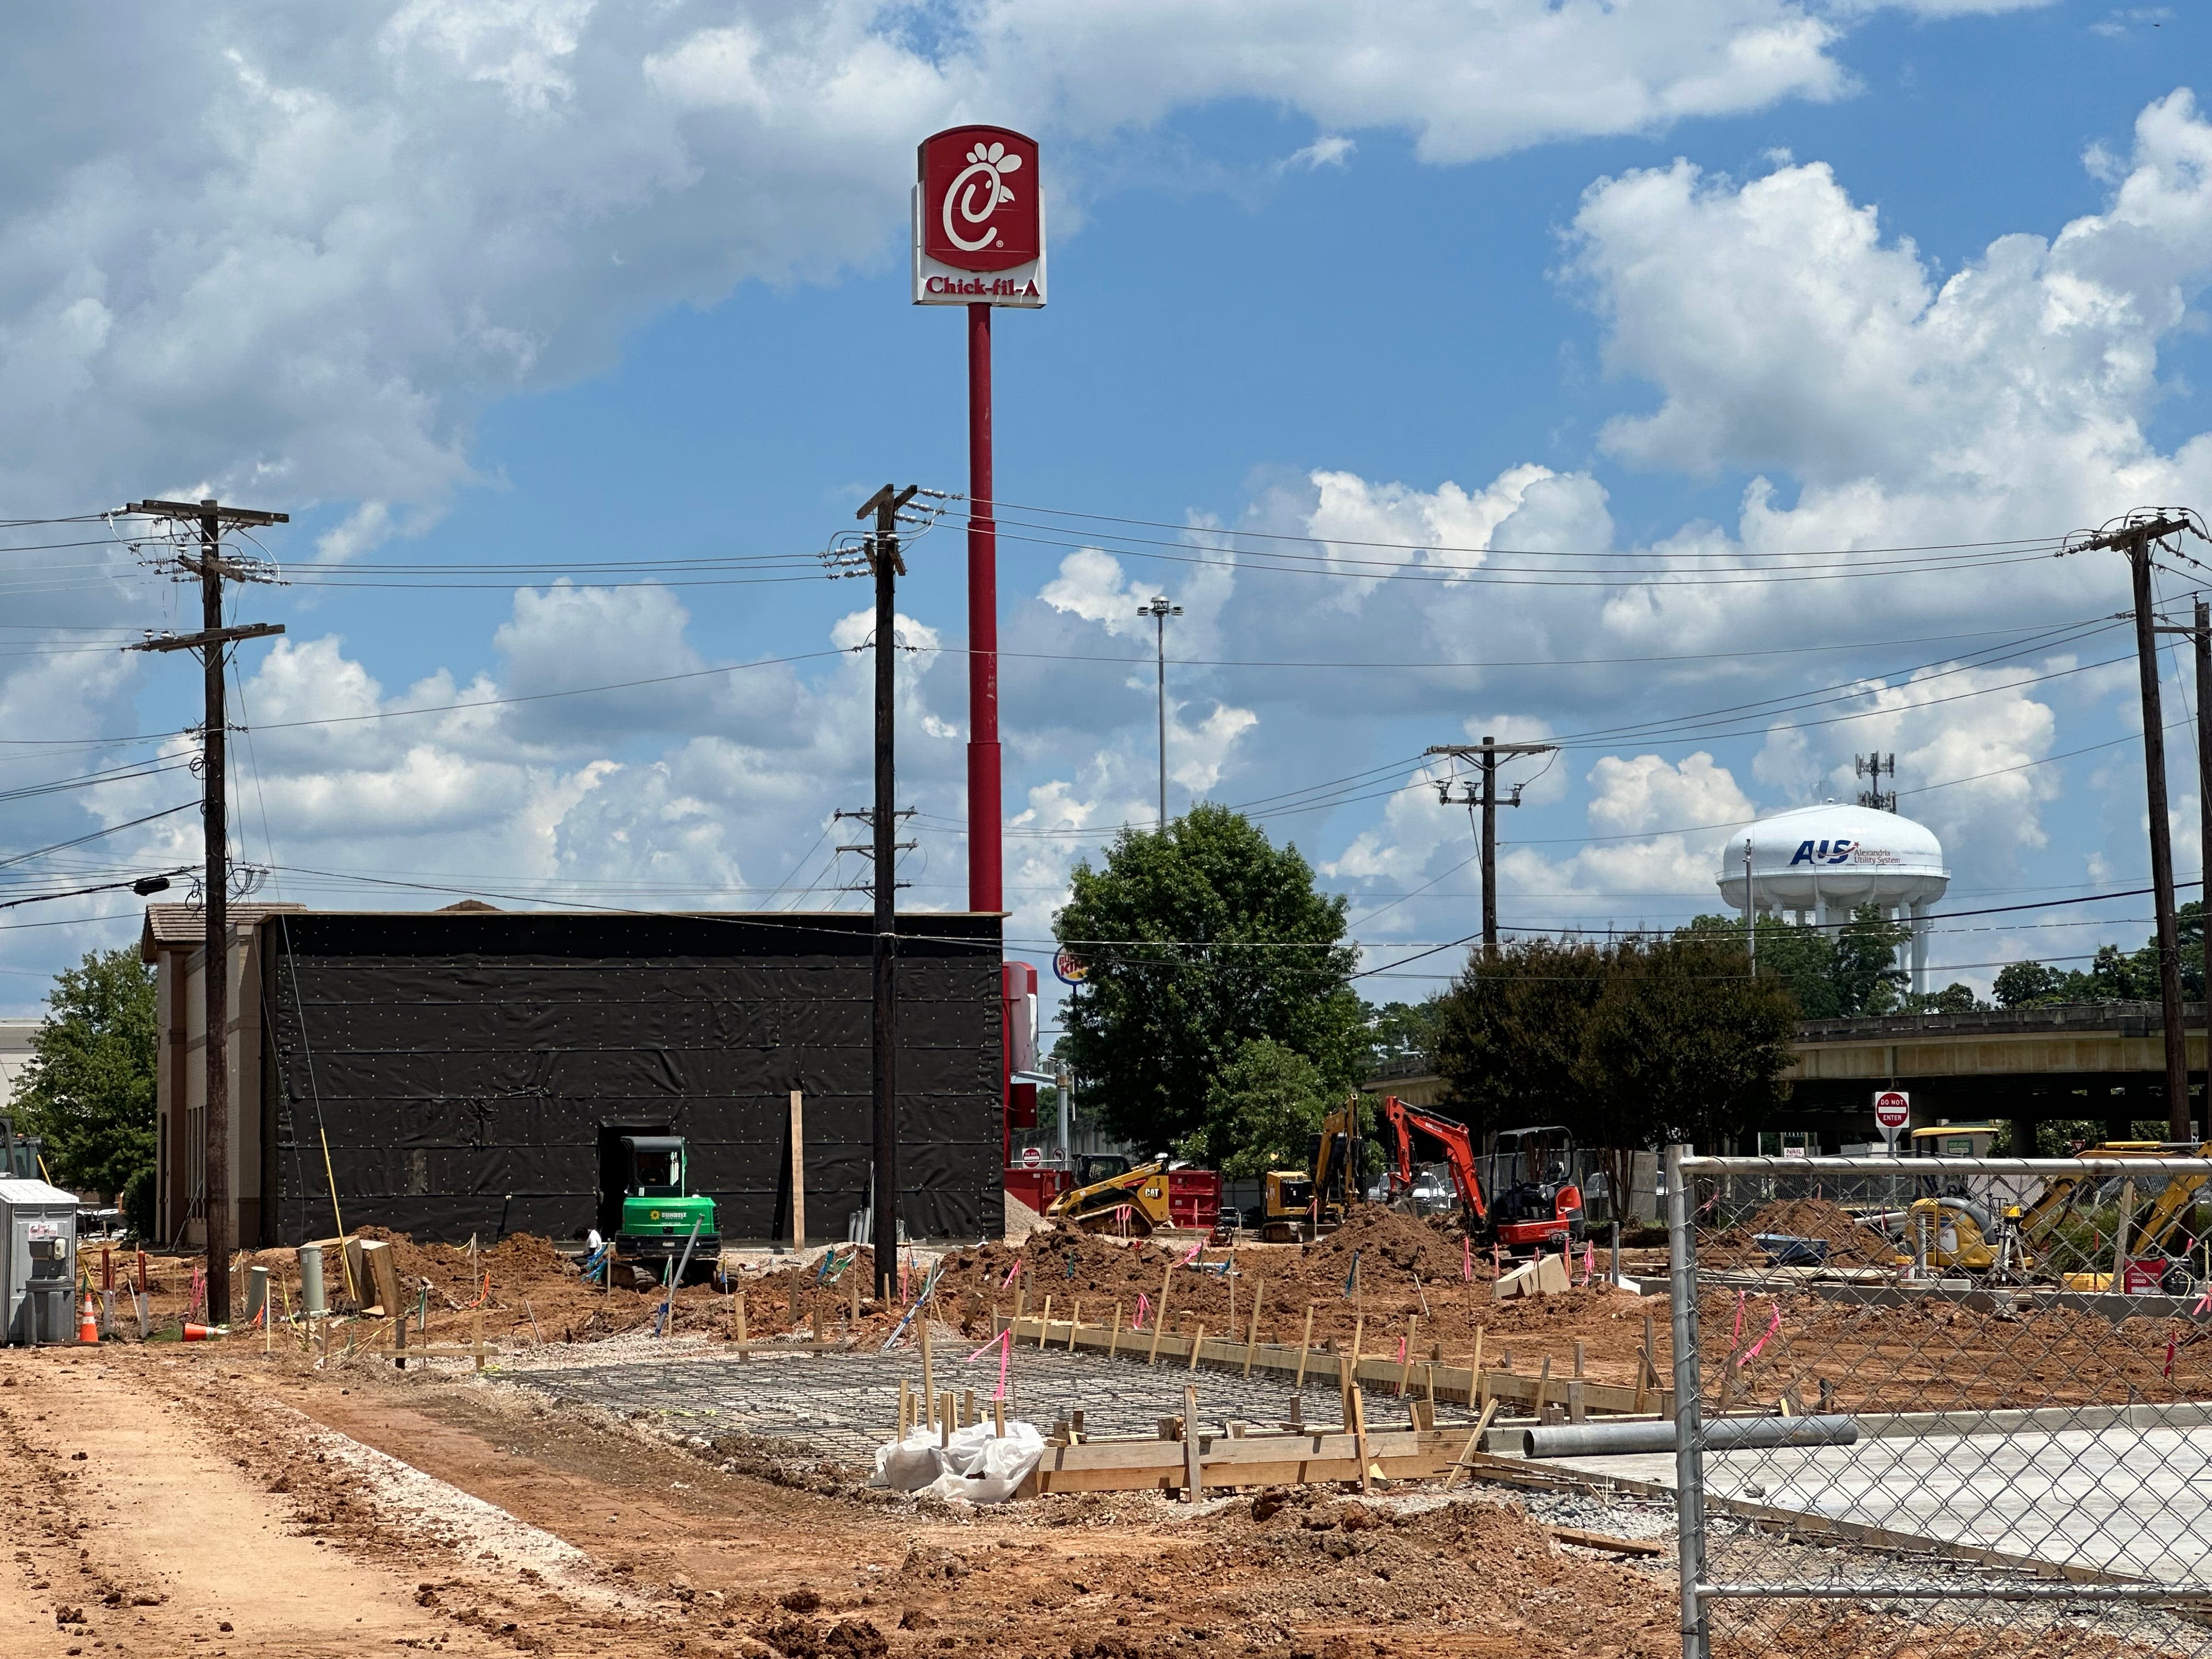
point(88, 1322)
point(200, 1332)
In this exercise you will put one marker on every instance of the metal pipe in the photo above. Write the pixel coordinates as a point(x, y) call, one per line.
point(311, 1281)
point(1066, 1117)
point(1728, 1434)
point(1688, 1425)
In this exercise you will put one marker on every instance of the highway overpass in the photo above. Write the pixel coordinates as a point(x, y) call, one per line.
point(2102, 1062)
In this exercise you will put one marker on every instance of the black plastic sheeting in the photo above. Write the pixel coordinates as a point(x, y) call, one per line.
point(462, 1066)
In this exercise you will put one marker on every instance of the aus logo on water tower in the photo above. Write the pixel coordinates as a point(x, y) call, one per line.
point(978, 219)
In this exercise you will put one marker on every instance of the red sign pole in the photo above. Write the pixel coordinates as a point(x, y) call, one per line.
point(984, 890)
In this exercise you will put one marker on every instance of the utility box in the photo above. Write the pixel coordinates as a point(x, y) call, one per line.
point(38, 1262)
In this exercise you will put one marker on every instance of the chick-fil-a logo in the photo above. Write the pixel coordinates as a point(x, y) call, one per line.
point(980, 200)
point(972, 200)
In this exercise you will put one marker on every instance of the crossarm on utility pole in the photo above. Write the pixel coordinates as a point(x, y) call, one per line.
point(1486, 755)
point(217, 637)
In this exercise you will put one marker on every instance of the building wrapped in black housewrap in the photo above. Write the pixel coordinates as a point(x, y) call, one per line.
point(471, 1069)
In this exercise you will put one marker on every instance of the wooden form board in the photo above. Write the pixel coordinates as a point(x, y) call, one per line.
point(1254, 1459)
point(1454, 1384)
point(383, 1278)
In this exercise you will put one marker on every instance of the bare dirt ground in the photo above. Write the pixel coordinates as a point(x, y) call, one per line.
point(217, 1500)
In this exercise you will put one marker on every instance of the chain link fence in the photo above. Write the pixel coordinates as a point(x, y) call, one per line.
point(1941, 1409)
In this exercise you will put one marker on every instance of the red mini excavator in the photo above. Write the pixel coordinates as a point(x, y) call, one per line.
point(1542, 1212)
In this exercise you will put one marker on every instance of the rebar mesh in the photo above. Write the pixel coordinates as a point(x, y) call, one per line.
point(1995, 1379)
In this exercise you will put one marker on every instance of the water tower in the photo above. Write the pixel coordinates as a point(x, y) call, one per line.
point(1819, 864)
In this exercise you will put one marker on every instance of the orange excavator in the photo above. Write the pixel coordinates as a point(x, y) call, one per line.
point(1544, 1212)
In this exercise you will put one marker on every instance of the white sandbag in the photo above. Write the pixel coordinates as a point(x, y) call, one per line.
point(910, 1464)
point(988, 1468)
point(977, 1466)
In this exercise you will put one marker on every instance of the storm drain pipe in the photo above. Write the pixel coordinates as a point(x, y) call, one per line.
point(1722, 1434)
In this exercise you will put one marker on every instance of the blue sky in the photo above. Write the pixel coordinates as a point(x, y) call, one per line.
point(563, 282)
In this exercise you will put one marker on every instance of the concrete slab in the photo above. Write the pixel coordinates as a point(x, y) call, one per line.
point(2132, 1502)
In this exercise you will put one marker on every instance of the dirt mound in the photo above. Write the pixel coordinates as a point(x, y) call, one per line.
point(1390, 1239)
point(519, 1259)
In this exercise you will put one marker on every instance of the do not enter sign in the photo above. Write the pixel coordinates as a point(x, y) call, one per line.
point(1893, 1110)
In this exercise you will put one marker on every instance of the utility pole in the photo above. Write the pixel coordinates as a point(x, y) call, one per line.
point(2133, 538)
point(1487, 754)
point(883, 561)
point(1750, 911)
point(1159, 610)
point(2200, 636)
point(211, 567)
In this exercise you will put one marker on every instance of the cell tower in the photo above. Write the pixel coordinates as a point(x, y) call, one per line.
point(1875, 768)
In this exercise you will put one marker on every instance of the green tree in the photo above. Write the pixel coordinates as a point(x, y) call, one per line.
point(1403, 1030)
point(1199, 938)
point(89, 1086)
point(1953, 999)
point(1261, 1113)
point(1509, 1032)
point(1682, 1045)
point(1834, 973)
point(1628, 1045)
point(2112, 975)
point(1867, 978)
point(2028, 985)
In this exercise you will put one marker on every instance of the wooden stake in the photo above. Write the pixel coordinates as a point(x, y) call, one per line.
point(798, 1175)
point(944, 1418)
point(1473, 1442)
point(1645, 1368)
point(477, 1328)
point(1347, 1368)
point(1113, 1341)
point(967, 1408)
point(1193, 1486)
point(1579, 1358)
point(1543, 1383)
point(742, 1338)
point(929, 1364)
point(1160, 1314)
point(852, 1297)
point(1305, 1348)
point(1359, 1439)
point(1074, 1324)
point(1252, 1335)
point(1405, 1369)
point(1196, 1343)
point(1044, 1322)
point(999, 1418)
point(1478, 1392)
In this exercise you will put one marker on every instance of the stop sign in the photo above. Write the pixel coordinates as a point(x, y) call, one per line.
point(1893, 1109)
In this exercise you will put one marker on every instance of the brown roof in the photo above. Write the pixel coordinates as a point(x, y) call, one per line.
point(173, 926)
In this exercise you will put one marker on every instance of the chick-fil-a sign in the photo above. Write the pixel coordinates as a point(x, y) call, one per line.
point(978, 219)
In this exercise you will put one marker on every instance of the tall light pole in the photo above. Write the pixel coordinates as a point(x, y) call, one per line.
point(1159, 610)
